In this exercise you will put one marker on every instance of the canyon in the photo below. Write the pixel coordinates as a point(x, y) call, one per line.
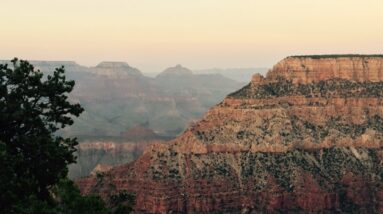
point(306, 138)
point(123, 106)
point(117, 97)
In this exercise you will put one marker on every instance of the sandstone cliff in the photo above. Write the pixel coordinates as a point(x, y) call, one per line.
point(306, 138)
point(306, 69)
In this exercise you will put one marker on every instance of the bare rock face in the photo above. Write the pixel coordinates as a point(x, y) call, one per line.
point(307, 69)
point(307, 138)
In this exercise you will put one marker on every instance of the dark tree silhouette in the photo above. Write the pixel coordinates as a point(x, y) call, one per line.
point(32, 109)
point(33, 158)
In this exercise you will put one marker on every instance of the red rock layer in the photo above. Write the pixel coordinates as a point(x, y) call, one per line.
point(309, 69)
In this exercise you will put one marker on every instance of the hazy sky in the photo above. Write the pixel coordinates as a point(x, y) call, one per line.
point(155, 34)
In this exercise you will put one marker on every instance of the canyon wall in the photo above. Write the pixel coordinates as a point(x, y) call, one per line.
point(301, 69)
point(306, 138)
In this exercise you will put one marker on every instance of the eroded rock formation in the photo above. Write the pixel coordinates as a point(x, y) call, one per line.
point(306, 138)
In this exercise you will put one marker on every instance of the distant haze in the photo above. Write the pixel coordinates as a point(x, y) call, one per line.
point(153, 35)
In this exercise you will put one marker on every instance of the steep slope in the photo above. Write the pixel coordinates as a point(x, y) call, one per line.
point(307, 138)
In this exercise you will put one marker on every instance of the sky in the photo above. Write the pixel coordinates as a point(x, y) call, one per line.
point(154, 34)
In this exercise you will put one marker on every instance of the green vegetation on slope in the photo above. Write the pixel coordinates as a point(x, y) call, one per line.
point(326, 168)
point(332, 88)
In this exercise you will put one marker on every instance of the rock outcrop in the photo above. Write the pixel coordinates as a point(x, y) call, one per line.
point(115, 70)
point(307, 138)
point(307, 69)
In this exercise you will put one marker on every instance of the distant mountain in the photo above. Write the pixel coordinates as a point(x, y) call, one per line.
point(122, 106)
point(117, 97)
point(115, 70)
point(238, 74)
point(178, 70)
point(180, 82)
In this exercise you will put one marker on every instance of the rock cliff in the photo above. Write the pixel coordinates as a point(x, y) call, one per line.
point(306, 138)
point(306, 69)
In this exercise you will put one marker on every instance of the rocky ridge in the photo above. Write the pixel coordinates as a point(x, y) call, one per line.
point(115, 70)
point(305, 138)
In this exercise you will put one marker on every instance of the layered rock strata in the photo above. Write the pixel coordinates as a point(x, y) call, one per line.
point(306, 138)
